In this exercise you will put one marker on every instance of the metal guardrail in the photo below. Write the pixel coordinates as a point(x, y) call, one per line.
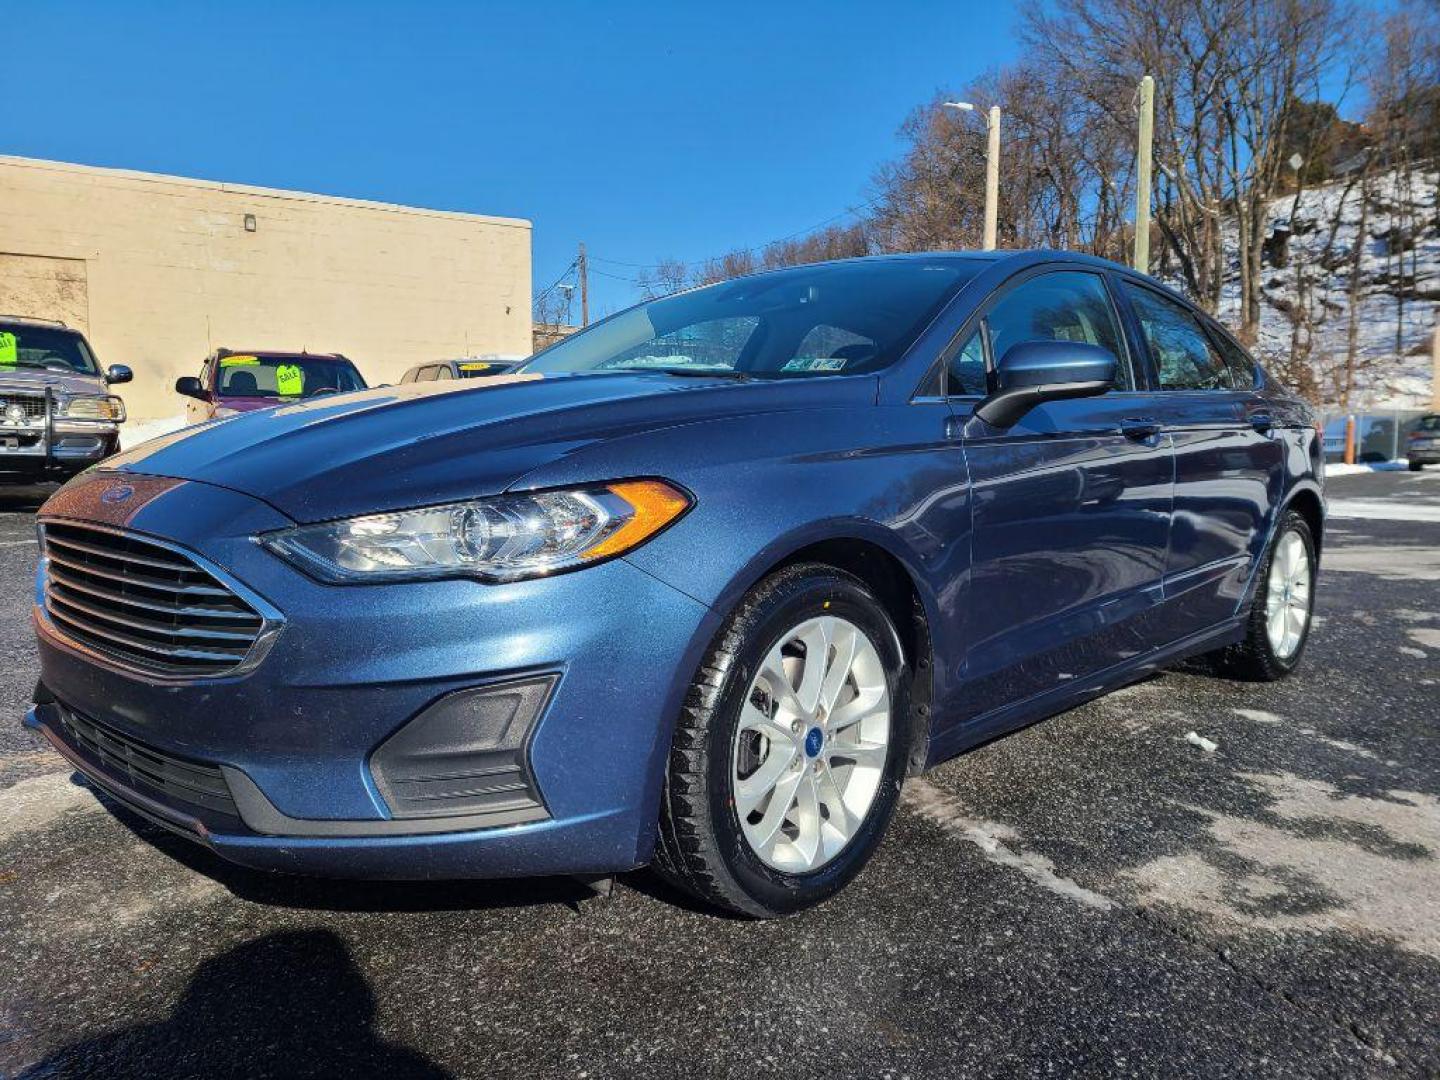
point(1379, 436)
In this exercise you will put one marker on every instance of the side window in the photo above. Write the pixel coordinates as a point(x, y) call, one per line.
point(1184, 355)
point(427, 374)
point(966, 374)
point(1237, 361)
point(1067, 305)
point(443, 372)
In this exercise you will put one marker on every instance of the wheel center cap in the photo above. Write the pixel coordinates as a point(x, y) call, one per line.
point(814, 740)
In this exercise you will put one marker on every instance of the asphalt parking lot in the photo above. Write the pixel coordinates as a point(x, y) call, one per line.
point(1093, 895)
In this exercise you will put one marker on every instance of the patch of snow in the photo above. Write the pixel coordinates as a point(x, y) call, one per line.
point(1426, 636)
point(1393, 562)
point(994, 840)
point(1259, 716)
point(1194, 738)
point(133, 433)
point(1392, 338)
point(40, 801)
point(1340, 468)
point(1382, 510)
point(1282, 873)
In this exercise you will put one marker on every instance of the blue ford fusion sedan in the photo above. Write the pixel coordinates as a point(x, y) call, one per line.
point(697, 587)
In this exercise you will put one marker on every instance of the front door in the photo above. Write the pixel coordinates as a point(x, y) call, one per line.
point(1071, 511)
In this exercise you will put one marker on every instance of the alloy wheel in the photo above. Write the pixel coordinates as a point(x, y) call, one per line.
point(810, 748)
point(1287, 596)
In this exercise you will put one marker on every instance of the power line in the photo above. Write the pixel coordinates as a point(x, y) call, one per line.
point(555, 284)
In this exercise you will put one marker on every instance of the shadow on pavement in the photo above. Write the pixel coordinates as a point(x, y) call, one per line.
point(287, 1005)
point(344, 894)
point(24, 497)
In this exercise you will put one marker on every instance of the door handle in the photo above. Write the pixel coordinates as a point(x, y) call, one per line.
point(1139, 427)
point(1261, 421)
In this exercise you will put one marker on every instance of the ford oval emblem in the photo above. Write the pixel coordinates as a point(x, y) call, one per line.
point(117, 494)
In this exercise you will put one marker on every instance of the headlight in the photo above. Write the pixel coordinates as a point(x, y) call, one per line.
point(108, 407)
point(501, 538)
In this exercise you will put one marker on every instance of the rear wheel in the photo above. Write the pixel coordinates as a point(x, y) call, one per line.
point(789, 753)
point(1279, 622)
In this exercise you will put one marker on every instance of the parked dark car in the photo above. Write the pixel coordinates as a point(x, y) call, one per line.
point(57, 415)
point(696, 587)
point(233, 381)
point(475, 368)
point(1422, 444)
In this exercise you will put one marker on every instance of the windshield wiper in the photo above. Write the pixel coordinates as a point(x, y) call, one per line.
point(694, 373)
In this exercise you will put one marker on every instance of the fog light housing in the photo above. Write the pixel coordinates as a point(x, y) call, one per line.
point(467, 754)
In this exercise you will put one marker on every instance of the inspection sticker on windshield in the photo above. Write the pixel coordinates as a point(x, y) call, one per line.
point(814, 363)
point(238, 361)
point(9, 349)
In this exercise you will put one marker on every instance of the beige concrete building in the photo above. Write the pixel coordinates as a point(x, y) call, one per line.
point(160, 270)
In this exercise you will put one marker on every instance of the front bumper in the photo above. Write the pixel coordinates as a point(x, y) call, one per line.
point(296, 738)
point(1425, 455)
point(48, 447)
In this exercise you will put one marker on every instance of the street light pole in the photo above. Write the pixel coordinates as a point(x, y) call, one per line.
point(992, 168)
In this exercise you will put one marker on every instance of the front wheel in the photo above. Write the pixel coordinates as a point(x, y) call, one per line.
point(1417, 466)
point(789, 754)
point(1279, 622)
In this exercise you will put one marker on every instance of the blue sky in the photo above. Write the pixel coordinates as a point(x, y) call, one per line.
point(646, 130)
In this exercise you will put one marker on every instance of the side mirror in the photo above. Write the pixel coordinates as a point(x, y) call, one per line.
point(190, 386)
point(118, 373)
point(1032, 372)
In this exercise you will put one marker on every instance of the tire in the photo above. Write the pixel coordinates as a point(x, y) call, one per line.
point(704, 847)
point(1416, 466)
point(1258, 658)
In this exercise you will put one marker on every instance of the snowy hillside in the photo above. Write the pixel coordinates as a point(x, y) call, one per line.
point(1308, 296)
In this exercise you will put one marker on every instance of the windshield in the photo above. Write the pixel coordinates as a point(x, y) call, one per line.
point(44, 348)
point(1428, 423)
point(829, 319)
point(286, 376)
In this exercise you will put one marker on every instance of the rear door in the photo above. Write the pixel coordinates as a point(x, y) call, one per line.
point(1228, 467)
point(1071, 506)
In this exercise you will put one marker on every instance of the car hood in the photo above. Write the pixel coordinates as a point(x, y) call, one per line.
point(34, 380)
point(248, 404)
point(424, 443)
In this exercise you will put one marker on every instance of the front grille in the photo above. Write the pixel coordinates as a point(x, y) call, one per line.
point(32, 405)
point(144, 604)
point(145, 769)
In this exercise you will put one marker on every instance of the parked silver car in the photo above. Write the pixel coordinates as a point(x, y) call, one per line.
point(470, 368)
point(57, 416)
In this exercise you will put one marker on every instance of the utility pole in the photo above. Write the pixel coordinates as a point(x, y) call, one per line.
point(992, 167)
point(992, 176)
point(584, 288)
point(1142, 175)
point(1435, 368)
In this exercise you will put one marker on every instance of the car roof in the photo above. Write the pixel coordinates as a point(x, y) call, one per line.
point(282, 354)
point(30, 320)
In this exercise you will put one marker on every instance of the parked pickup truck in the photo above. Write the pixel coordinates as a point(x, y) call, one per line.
point(57, 417)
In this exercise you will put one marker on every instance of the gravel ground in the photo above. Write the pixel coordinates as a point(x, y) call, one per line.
point(1093, 895)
